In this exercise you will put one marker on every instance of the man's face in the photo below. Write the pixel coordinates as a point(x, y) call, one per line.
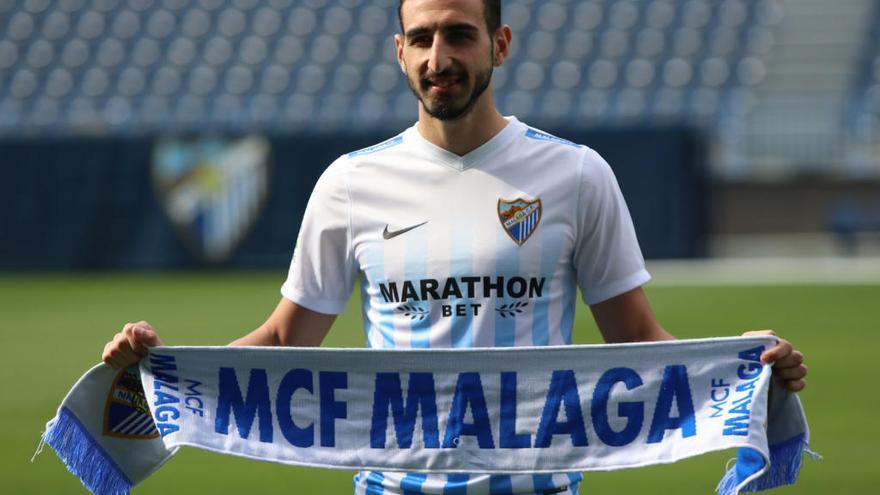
point(446, 53)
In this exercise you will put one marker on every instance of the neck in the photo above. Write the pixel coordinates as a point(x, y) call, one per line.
point(465, 134)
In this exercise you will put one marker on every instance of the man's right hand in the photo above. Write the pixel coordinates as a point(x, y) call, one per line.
point(130, 345)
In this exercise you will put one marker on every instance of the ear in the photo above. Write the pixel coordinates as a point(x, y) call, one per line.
point(398, 44)
point(501, 40)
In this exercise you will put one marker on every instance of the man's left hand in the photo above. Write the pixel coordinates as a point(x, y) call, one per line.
point(788, 369)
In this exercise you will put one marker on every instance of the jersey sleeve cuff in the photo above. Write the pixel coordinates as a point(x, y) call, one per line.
point(318, 305)
point(616, 288)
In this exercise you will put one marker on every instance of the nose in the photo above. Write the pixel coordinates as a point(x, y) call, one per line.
point(439, 58)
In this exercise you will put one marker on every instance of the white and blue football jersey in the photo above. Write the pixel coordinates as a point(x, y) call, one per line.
point(481, 250)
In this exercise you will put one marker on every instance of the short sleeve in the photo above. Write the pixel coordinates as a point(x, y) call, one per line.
point(322, 269)
point(607, 257)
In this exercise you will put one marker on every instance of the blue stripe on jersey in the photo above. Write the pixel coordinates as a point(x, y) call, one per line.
point(541, 312)
point(411, 484)
point(377, 147)
point(500, 484)
point(461, 264)
point(375, 271)
point(374, 483)
point(506, 266)
point(543, 482)
point(575, 479)
point(543, 136)
point(569, 292)
point(456, 484)
point(415, 268)
point(365, 306)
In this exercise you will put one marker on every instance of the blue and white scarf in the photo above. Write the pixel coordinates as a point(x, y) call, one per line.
point(512, 410)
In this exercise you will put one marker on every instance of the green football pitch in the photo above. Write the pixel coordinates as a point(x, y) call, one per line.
point(54, 328)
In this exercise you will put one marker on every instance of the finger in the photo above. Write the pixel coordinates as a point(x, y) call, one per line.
point(122, 338)
point(147, 336)
point(793, 385)
point(137, 336)
point(789, 374)
point(116, 348)
point(110, 360)
point(107, 355)
point(134, 343)
point(119, 342)
point(753, 333)
point(118, 354)
point(116, 362)
point(128, 357)
point(144, 324)
point(793, 360)
point(113, 357)
point(144, 338)
point(777, 352)
point(109, 350)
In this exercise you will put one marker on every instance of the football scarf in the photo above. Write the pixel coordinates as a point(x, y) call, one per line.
point(511, 410)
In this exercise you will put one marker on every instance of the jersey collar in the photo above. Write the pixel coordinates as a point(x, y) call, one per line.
point(469, 160)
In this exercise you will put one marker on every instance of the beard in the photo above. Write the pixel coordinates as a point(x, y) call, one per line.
point(450, 106)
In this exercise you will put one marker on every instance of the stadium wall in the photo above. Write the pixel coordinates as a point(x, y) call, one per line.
point(85, 203)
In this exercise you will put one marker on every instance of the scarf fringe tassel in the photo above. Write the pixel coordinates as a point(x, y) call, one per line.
point(785, 464)
point(83, 456)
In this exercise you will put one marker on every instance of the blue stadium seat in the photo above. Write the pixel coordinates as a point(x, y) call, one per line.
point(142, 66)
point(863, 117)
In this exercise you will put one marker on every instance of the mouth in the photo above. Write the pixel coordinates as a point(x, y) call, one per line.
point(442, 83)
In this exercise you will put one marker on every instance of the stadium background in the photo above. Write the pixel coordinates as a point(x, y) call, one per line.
point(156, 157)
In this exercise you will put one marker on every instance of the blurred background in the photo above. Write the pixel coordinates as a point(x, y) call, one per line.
point(156, 157)
point(198, 127)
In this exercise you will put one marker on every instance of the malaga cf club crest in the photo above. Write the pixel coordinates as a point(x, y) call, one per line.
point(212, 189)
point(520, 218)
point(126, 414)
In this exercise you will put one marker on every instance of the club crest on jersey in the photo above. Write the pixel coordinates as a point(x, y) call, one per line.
point(126, 414)
point(520, 218)
point(212, 189)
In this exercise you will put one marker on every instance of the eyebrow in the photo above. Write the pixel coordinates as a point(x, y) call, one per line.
point(454, 28)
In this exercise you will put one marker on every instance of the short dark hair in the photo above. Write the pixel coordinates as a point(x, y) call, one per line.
point(491, 13)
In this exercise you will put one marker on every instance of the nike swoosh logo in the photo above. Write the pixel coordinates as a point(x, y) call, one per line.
point(386, 234)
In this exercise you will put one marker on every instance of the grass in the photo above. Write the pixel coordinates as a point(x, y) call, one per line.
point(53, 327)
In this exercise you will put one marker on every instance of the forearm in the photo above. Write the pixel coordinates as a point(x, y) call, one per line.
point(649, 331)
point(262, 336)
point(635, 330)
point(289, 325)
point(269, 336)
point(628, 318)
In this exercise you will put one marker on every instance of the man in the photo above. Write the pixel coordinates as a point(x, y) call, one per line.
point(468, 229)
